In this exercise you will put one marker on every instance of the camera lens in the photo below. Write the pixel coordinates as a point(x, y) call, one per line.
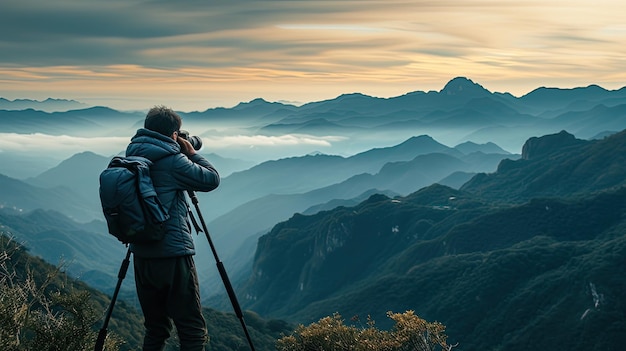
point(195, 141)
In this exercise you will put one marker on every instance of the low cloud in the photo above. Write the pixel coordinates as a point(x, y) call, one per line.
point(224, 142)
point(62, 145)
point(66, 146)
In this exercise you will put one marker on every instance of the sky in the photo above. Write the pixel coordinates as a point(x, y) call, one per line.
point(199, 54)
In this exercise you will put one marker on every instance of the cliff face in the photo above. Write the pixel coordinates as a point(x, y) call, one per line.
point(548, 144)
point(556, 165)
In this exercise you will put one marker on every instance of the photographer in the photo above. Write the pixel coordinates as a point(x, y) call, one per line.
point(165, 273)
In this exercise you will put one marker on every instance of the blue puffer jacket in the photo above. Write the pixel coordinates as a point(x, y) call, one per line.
point(173, 173)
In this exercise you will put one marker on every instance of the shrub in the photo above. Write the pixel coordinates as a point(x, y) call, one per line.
point(39, 315)
point(330, 333)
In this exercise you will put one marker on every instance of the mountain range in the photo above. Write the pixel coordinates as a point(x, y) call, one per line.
point(533, 265)
point(48, 105)
point(512, 238)
point(261, 194)
point(461, 111)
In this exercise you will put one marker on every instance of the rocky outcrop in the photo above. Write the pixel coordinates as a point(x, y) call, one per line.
point(545, 145)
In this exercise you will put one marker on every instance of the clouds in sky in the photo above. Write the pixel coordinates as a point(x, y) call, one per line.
point(199, 54)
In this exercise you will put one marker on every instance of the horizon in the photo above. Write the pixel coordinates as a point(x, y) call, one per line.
point(195, 56)
point(65, 99)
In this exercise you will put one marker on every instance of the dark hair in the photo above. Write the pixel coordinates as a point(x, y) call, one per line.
point(163, 120)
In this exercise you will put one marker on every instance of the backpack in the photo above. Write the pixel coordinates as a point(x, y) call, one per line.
point(133, 212)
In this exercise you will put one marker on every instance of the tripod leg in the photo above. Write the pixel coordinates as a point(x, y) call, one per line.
point(222, 271)
point(120, 277)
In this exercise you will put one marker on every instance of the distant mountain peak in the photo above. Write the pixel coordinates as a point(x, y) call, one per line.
point(316, 153)
point(259, 104)
point(422, 137)
point(463, 86)
point(83, 155)
point(253, 102)
point(469, 147)
point(47, 105)
point(352, 95)
point(422, 143)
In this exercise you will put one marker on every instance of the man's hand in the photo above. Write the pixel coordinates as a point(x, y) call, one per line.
point(185, 146)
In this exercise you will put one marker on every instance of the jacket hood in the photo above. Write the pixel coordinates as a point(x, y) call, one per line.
point(151, 145)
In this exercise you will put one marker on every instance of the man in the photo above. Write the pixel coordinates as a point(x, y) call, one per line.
point(165, 273)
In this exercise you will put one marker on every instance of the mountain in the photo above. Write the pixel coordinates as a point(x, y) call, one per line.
point(313, 172)
point(47, 105)
point(70, 189)
point(460, 100)
point(397, 178)
point(318, 126)
point(226, 165)
point(555, 99)
point(556, 165)
point(469, 147)
point(590, 122)
point(24, 165)
point(457, 179)
point(93, 121)
point(523, 258)
point(80, 173)
point(87, 250)
point(23, 197)
point(310, 172)
point(455, 93)
point(54, 123)
point(256, 112)
point(279, 197)
point(461, 111)
point(529, 243)
point(82, 170)
point(407, 150)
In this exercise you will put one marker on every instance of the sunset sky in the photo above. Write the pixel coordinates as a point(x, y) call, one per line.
point(194, 55)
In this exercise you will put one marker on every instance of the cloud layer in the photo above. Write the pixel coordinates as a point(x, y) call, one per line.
point(199, 54)
point(64, 146)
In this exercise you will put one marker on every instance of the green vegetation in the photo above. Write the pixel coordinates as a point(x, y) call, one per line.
point(41, 308)
point(542, 274)
point(37, 313)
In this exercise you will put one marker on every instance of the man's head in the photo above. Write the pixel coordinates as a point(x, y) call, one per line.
point(163, 120)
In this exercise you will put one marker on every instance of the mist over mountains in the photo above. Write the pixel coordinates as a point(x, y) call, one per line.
point(258, 130)
point(499, 216)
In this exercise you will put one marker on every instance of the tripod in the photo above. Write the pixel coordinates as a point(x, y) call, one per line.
point(221, 269)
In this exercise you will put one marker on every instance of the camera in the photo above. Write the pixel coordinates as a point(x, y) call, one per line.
point(195, 141)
